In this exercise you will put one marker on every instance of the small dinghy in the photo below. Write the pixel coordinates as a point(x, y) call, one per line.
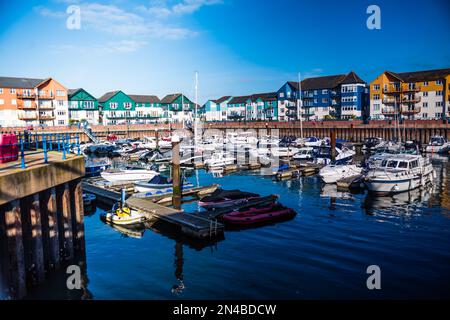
point(226, 198)
point(158, 183)
point(258, 215)
point(124, 216)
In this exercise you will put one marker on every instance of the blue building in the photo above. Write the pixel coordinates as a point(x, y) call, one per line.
point(338, 96)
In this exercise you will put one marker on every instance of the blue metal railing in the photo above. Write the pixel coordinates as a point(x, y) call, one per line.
point(34, 143)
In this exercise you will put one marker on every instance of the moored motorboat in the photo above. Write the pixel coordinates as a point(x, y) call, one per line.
point(438, 144)
point(128, 175)
point(124, 216)
point(399, 173)
point(159, 183)
point(219, 159)
point(254, 216)
point(226, 198)
point(333, 173)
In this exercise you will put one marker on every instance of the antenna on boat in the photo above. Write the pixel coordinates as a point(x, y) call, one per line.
point(300, 104)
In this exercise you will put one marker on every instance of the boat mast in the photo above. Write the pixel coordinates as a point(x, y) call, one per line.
point(195, 112)
point(300, 104)
point(182, 110)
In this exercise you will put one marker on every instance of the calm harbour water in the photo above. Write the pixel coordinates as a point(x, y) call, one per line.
point(322, 253)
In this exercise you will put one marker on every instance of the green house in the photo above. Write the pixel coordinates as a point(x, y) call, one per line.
point(83, 106)
point(117, 108)
point(174, 102)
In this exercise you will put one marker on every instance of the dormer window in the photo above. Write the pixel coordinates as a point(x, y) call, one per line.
point(113, 105)
point(127, 105)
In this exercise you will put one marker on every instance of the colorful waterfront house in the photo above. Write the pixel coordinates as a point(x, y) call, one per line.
point(236, 108)
point(177, 108)
point(323, 97)
point(216, 110)
point(265, 106)
point(83, 106)
point(148, 108)
point(117, 108)
point(411, 95)
point(29, 101)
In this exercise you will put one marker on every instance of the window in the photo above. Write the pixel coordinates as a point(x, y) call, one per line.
point(60, 103)
point(61, 113)
point(315, 92)
point(90, 114)
point(439, 93)
point(438, 82)
point(376, 87)
point(60, 93)
point(113, 105)
point(403, 165)
point(281, 94)
point(12, 90)
point(61, 122)
point(127, 105)
point(424, 115)
point(425, 104)
point(438, 103)
point(425, 93)
point(376, 107)
point(425, 83)
point(438, 115)
point(1, 90)
point(376, 97)
point(325, 91)
point(2, 101)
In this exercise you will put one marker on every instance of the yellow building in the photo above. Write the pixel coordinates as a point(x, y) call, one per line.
point(412, 95)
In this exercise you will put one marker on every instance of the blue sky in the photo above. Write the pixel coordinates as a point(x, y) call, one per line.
point(237, 46)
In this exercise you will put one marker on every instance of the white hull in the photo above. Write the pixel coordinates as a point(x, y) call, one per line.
point(332, 174)
point(437, 149)
point(284, 152)
point(129, 175)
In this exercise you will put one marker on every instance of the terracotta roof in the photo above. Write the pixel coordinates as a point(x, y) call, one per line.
point(144, 98)
point(417, 76)
point(20, 83)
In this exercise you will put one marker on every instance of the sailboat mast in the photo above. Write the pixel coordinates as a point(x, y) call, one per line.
point(196, 103)
point(300, 104)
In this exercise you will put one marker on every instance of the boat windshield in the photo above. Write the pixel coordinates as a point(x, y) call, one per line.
point(392, 164)
point(437, 141)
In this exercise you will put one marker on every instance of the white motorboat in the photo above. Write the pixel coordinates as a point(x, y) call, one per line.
point(161, 184)
point(438, 144)
point(333, 173)
point(344, 155)
point(219, 159)
point(304, 153)
point(128, 175)
point(399, 173)
point(284, 152)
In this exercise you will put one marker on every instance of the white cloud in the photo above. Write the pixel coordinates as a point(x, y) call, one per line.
point(162, 9)
point(121, 46)
point(114, 20)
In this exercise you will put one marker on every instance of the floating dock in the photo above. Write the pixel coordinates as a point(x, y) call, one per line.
point(347, 183)
point(189, 224)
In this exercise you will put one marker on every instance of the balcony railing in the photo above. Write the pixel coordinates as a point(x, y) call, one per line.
point(26, 116)
point(410, 110)
point(411, 89)
point(411, 100)
point(21, 106)
point(46, 117)
point(392, 89)
point(24, 95)
point(45, 97)
point(46, 107)
point(391, 101)
point(389, 111)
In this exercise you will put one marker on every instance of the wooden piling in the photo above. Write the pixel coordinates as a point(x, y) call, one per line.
point(16, 255)
point(176, 176)
point(67, 223)
point(37, 247)
point(77, 192)
point(53, 232)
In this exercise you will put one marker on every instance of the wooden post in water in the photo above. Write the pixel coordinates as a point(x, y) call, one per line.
point(53, 232)
point(67, 223)
point(157, 138)
point(36, 238)
point(13, 224)
point(333, 144)
point(176, 178)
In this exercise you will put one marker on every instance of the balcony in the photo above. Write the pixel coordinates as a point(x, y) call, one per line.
point(291, 106)
point(411, 89)
point(291, 114)
point(389, 111)
point(411, 100)
point(21, 106)
point(392, 89)
point(410, 110)
point(27, 116)
point(26, 95)
point(391, 101)
point(47, 107)
point(45, 97)
point(47, 117)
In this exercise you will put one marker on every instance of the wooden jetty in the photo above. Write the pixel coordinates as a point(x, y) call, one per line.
point(191, 225)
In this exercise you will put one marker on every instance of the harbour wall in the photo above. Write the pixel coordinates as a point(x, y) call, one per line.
point(355, 131)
